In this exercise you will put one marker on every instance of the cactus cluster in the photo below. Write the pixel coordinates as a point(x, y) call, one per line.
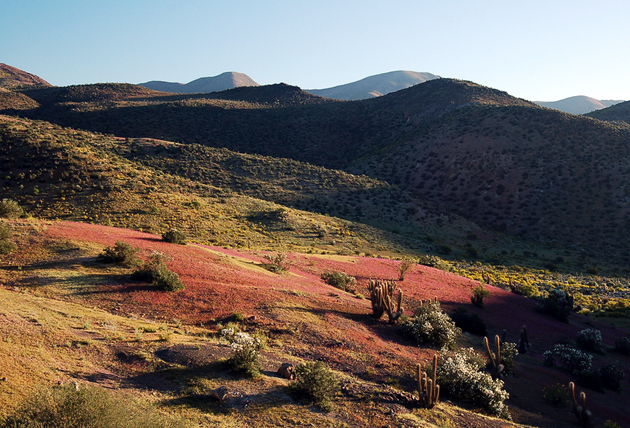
point(579, 407)
point(428, 389)
point(495, 359)
point(381, 295)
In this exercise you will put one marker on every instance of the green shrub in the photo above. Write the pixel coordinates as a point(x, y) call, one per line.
point(277, 263)
point(611, 377)
point(87, 407)
point(472, 324)
point(623, 346)
point(158, 274)
point(590, 340)
point(557, 395)
point(244, 358)
point(315, 382)
point(431, 325)
point(5, 232)
point(432, 261)
point(6, 246)
point(175, 236)
point(558, 304)
point(339, 280)
point(121, 253)
point(460, 375)
point(403, 267)
point(479, 293)
point(10, 209)
point(508, 353)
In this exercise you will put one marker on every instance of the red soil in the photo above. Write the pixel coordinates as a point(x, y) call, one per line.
point(217, 287)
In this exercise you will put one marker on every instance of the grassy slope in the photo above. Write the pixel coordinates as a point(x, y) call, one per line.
point(501, 162)
point(303, 318)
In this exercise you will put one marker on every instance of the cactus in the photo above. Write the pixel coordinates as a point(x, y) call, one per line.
point(428, 389)
point(381, 293)
point(523, 342)
point(495, 359)
point(579, 408)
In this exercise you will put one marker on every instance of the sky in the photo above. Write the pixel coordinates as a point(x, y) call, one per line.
point(538, 50)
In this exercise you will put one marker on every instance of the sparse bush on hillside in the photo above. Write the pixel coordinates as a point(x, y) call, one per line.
point(479, 292)
point(10, 209)
point(623, 345)
point(85, 407)
point(403, 267)
point(245, 352)
point(277, 263)
point(460, 376)
point(339, 280)
point(175, 236)
point(121, 253)
point(558, 304)
point(590, 340)
point(611, 377)
point(557, 395)
point(155, 271)
point(472, 323)
point(6, 246)
point(315, 382)
point(573, 360)
point(431, 325)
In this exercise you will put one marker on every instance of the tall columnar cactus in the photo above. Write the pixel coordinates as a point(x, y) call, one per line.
point(381, 295)
point(495, 359)
point(523, 342)
point(428, 389)
point(579, 407)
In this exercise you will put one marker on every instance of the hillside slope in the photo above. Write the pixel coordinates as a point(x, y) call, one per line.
point(618, 112)
point(14, 78)
point(577, 105)
point(154, 342)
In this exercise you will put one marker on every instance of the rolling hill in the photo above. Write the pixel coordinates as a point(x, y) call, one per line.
point(374, 86)
point(618, 112)
point(578, 105)
point(223, 81)
point(14, 78)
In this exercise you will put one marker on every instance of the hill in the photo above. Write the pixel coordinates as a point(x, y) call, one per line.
point(618, 112)
point(14, 78)
point(166, 347)
point(221, 82)
point(578, 105)
point(374, 86)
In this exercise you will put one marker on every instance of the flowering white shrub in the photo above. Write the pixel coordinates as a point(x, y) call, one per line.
point(574, 360)
point(245, 351)
point(590, 339)
point(431, 325)
point(508, 352)
point(460, 376)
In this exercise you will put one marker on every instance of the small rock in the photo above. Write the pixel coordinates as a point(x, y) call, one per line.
point(287, 371)
point(220, 393)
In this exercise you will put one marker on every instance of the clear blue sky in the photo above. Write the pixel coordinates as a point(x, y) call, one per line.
point(538, 50)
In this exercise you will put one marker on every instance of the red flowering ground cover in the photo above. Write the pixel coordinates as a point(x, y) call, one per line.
point(317, 321)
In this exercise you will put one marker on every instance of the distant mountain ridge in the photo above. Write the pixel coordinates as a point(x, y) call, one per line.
point(617, 112)
point(579, 104)
point(374, 86)
point(223, 81)
point(14, 78)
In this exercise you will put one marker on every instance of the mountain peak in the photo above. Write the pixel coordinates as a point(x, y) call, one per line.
point(375, 86)
point(14, 78)
point(223, 81)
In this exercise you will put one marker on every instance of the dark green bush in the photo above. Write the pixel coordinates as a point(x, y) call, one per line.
point(473, 324)
point(6, 247)
point(121, 253)
point(590, 340)
point(557, 395)
point(479, 293)
point(158, 274)
point(611, 377)
point(175, 236)
point(315, 382)
point(558, 304)
point(623, 346)
point(87, 407)
point(10, 209)
point(277, 263)
point(338, 280)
